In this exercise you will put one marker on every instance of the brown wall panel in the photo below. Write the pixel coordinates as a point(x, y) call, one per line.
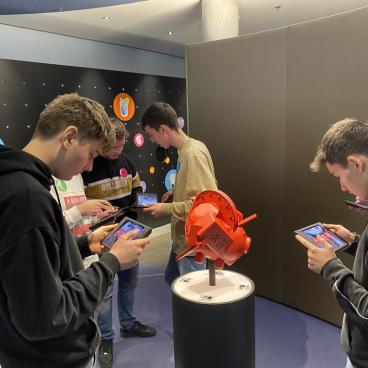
point(261, 103)
point(236, 97)
point(327, 80)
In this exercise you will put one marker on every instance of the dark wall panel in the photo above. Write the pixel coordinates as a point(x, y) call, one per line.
point(236, 93)
point(26, 88)
point(261, 103)
point(327, 78)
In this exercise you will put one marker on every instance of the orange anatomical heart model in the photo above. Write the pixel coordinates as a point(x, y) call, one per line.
point(213, 229)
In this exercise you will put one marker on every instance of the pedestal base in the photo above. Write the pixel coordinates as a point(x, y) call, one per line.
point(213, 325)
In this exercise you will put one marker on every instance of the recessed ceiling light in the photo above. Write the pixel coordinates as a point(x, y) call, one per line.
point(170, 33)
point(106, 18)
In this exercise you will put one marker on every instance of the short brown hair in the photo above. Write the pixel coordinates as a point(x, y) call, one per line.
point(84, 113)
point(343, 138)
point(120, 129)
point(160, 113)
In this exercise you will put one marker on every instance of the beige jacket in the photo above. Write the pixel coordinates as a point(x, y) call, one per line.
point(195, 173)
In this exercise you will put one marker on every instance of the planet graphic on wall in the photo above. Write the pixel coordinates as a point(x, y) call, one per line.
point(181, 122)
point(143, 185)
point(138, 140)
point(124, 106)
point(170, 179)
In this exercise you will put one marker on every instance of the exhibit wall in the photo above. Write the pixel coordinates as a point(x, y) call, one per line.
point(26, 88)
point(262, 103)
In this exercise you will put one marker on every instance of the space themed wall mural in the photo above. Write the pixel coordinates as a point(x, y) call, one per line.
point(26, 88)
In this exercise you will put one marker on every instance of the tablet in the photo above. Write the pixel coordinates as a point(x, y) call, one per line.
point(125, 225)
point(145, 199)
point(108, 219)
point(356, 205)
point(313, 233)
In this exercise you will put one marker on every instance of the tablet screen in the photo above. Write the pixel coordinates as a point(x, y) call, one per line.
point(145, 199)
point(315, 233)
point(123, 229)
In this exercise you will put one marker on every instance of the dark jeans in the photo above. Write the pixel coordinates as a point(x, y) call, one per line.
point(127, 282)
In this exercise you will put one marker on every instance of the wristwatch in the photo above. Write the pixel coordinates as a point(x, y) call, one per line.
point(356, 238)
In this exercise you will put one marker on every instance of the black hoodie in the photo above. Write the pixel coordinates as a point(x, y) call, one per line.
point(47, 298)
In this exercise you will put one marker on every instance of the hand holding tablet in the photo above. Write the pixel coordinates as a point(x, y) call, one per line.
point(127, 241)
point(108, 219)
point(126, 225)
point(321, 244)
point(317, 234)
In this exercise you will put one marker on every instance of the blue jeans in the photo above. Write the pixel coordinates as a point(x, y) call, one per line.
point(127, 282)
point(348, 364)
point(185, 265)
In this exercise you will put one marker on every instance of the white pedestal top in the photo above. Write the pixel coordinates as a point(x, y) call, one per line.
point(230, 286)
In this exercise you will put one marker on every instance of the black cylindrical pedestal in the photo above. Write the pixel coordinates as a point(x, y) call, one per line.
point(213, 325)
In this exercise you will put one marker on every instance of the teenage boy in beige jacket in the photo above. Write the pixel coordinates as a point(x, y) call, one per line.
point(195, 173)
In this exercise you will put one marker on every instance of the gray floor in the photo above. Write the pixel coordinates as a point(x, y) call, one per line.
point(157, 252)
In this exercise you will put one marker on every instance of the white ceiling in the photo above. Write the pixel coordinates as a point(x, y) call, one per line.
point(146, 24)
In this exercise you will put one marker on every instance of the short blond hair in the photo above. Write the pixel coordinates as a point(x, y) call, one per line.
point(84, 113)
point(343, 138)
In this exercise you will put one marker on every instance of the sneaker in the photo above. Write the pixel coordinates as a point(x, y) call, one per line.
point(105, 354)
point(138, 329)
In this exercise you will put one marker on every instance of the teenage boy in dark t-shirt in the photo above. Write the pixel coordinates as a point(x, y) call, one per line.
point(115, 178)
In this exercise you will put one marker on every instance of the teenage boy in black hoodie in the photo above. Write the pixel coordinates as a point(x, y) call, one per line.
point(344, 152)
point(47, 298)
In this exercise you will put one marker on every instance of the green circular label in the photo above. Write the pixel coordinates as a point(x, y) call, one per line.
point(61, 185)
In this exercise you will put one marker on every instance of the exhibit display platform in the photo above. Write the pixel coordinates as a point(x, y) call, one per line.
point(213, 325)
